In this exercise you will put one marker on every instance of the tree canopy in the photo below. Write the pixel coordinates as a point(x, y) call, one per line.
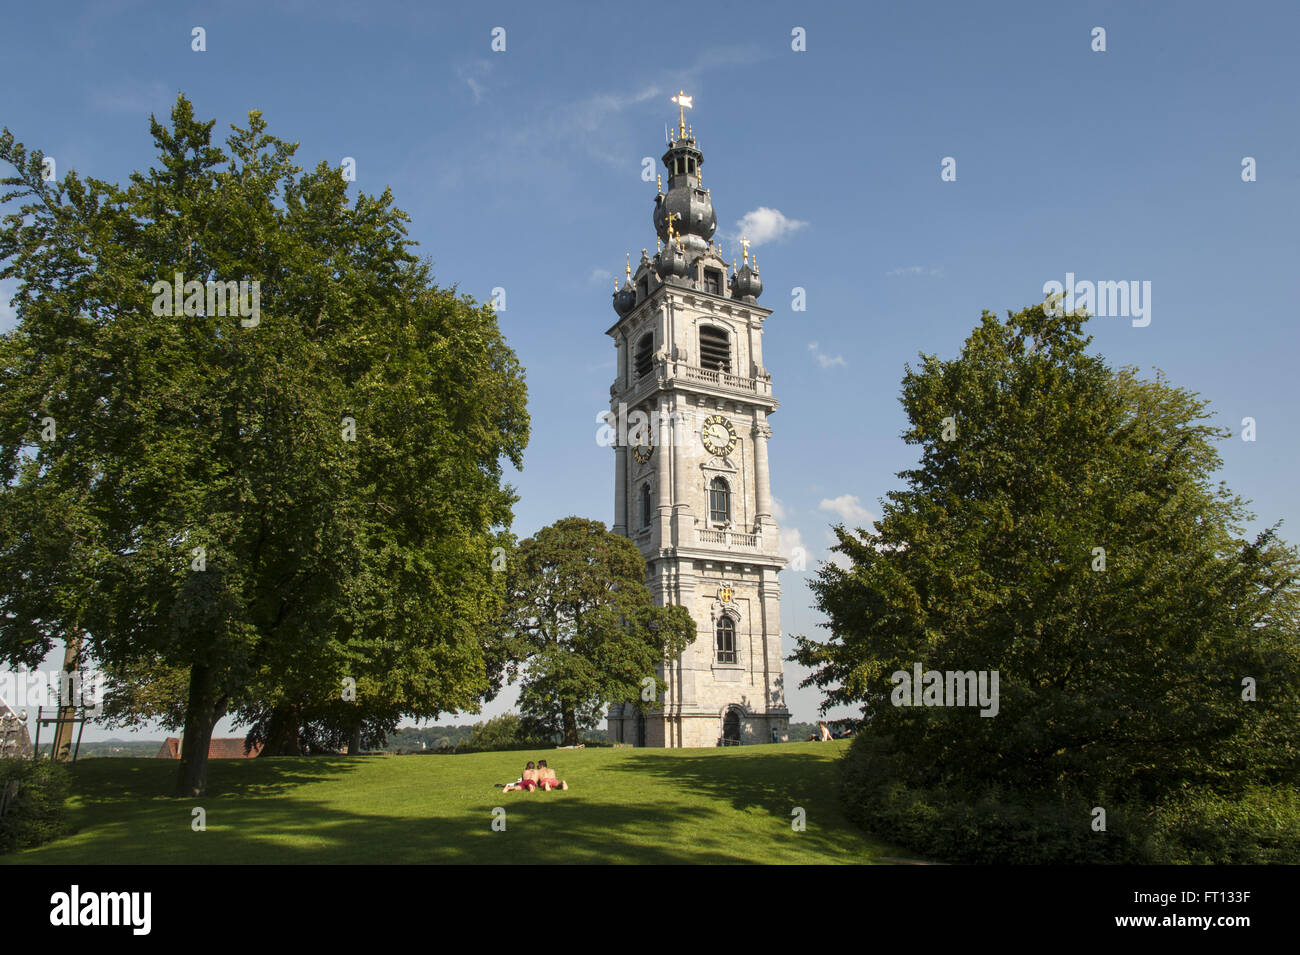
point(1063, 528)
point(272, 501)
point(580, 627)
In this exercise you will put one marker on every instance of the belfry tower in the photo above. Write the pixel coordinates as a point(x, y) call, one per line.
point(691, 489)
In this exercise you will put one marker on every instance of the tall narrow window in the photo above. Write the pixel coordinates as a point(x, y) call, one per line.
point(719, 501)
point(726, 639)
point(712, 282)
point(715, 348)
point(645, 505)
point(644, 359)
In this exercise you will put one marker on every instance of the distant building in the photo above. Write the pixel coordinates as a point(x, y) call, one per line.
point(14, 740)
point(217, 749)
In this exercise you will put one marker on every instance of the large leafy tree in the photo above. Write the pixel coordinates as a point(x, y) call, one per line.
point(581, 630)
point(1062, 528)
point(276, 505)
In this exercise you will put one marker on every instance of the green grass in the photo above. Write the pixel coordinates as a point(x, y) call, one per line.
point(623, 805)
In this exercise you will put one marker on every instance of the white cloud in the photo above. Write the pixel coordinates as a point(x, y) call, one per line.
point(826, 361)
point(849, 509)
point(778, 509)
point(473, 74)
point(792, 548)
point(600, 277)
point(916, 270)
point(764, 225)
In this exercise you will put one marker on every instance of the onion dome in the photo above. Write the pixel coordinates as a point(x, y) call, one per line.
point(671, 264)
point(746, 284)
point(625, 297)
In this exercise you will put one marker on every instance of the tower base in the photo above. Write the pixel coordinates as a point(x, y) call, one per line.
point(735, 726)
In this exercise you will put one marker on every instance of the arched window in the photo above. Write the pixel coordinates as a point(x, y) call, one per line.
point(644, 359)
point(719, 501)
point(646, 510)
point(715, 345)
point(725, 635)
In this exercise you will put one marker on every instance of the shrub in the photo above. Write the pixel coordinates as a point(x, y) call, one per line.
point(1261, 825)
point(990, 825)
point(35, 813)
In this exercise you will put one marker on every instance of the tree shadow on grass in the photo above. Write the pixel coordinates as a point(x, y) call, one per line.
point(107, 779)
point(267, 811)
point(772, 782)
point(280, 830)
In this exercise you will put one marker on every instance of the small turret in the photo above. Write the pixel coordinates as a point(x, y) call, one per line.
point(625, 297)
point(746, 284)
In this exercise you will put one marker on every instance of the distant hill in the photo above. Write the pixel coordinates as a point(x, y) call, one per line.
point(118, 748)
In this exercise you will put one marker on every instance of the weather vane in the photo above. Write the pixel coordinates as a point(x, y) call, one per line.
point(684, 103)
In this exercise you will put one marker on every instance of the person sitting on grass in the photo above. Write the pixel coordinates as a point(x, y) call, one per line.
point(527, 781)
point(547, 779)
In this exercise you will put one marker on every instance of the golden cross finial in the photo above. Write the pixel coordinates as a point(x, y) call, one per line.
point(684, 103)
point(745, 244)
point(628, 270)
point(669, 222)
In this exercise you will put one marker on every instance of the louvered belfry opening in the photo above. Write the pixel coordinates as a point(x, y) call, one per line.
point(715, 348)
point(644, 355)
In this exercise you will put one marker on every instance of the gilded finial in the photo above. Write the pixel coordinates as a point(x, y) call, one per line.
point(684, 103)
point(745, 245)
point(733, 266)
point(628, 270)
point(755, 261)
point(659, 184)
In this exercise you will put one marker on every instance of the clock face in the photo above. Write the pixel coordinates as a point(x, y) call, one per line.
point(642, 452)
point(719, 435)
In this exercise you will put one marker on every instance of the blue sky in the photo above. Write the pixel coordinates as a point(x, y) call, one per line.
point(522, 169)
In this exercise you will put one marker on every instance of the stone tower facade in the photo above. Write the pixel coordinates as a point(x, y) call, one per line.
point(691, 487)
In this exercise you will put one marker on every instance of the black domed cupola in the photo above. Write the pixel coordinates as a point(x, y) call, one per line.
point(745, 283)
point(686, 200)
point(625, 297)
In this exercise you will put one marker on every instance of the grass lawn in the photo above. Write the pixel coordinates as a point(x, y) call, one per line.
point(623, 805)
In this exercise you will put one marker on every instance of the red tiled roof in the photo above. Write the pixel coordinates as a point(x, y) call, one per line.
point(231, 748)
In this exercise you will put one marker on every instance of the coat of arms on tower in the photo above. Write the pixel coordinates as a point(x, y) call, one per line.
point(725, 593)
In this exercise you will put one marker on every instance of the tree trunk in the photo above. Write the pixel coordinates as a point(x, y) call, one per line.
point(354, 743)
point(62, 749)
point(200, 717)
point(283, 732)
point(570, 726)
